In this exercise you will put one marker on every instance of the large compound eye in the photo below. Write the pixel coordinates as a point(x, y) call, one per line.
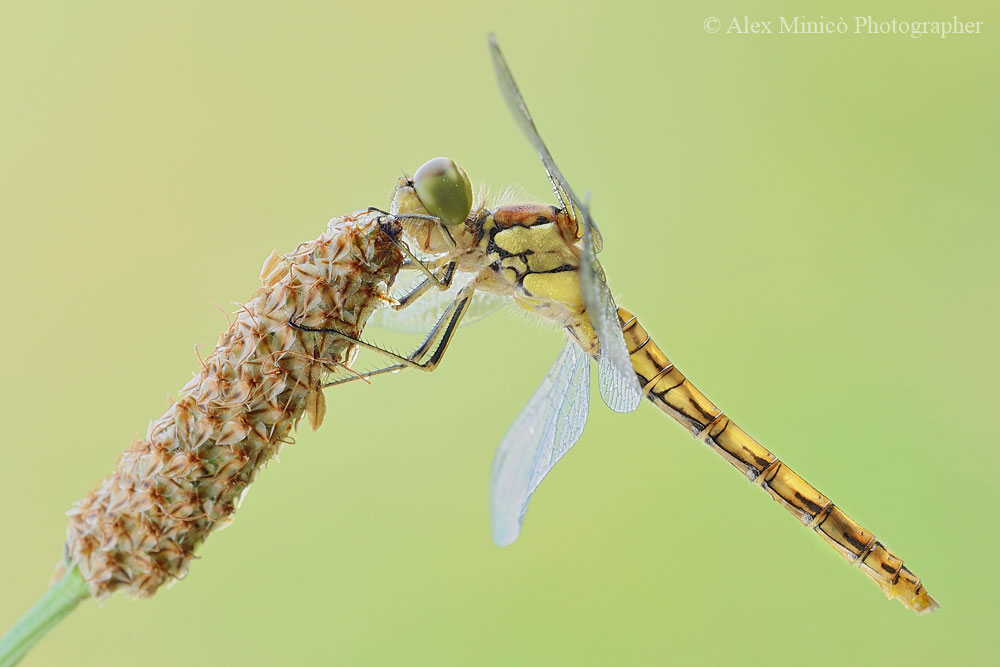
point(444, 190)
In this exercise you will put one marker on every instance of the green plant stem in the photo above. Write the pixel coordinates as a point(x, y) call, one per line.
point(58, 601)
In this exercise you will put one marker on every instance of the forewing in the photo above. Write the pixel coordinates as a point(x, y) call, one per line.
point(549, 424)
point(519, 110)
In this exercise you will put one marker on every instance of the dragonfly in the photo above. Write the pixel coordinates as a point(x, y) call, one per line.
point(543, 259)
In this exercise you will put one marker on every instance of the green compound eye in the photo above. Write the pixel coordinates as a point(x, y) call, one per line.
point(444, 189)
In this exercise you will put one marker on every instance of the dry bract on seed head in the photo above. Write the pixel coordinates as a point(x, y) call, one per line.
point(142, 524)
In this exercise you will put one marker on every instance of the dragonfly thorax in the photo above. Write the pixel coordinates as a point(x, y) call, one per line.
point(529, 252)
point(534, 252)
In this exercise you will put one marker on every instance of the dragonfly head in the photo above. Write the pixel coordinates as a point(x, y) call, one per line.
point(440, 188)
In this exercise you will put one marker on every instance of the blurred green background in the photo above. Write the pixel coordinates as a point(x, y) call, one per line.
point(802, 221)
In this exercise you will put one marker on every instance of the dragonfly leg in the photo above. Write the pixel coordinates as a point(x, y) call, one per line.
point(443, 283)
point(444, 330)
point(420, 217)
point(435, 263)
point(441, 334)
point(412, 259)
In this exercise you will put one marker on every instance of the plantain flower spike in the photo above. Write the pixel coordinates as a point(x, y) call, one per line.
point(142, 524)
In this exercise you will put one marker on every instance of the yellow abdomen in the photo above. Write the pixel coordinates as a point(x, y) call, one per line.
point(668, 389)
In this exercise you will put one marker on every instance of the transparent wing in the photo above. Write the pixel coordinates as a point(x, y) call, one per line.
point(549, 424)
point(519, 110)
point(423, 313)
point(619, 386)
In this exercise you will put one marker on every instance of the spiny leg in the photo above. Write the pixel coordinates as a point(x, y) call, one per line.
point(444, 330)
point(447, 275)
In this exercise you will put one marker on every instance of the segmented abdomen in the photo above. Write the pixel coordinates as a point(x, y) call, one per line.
point(667, 388)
